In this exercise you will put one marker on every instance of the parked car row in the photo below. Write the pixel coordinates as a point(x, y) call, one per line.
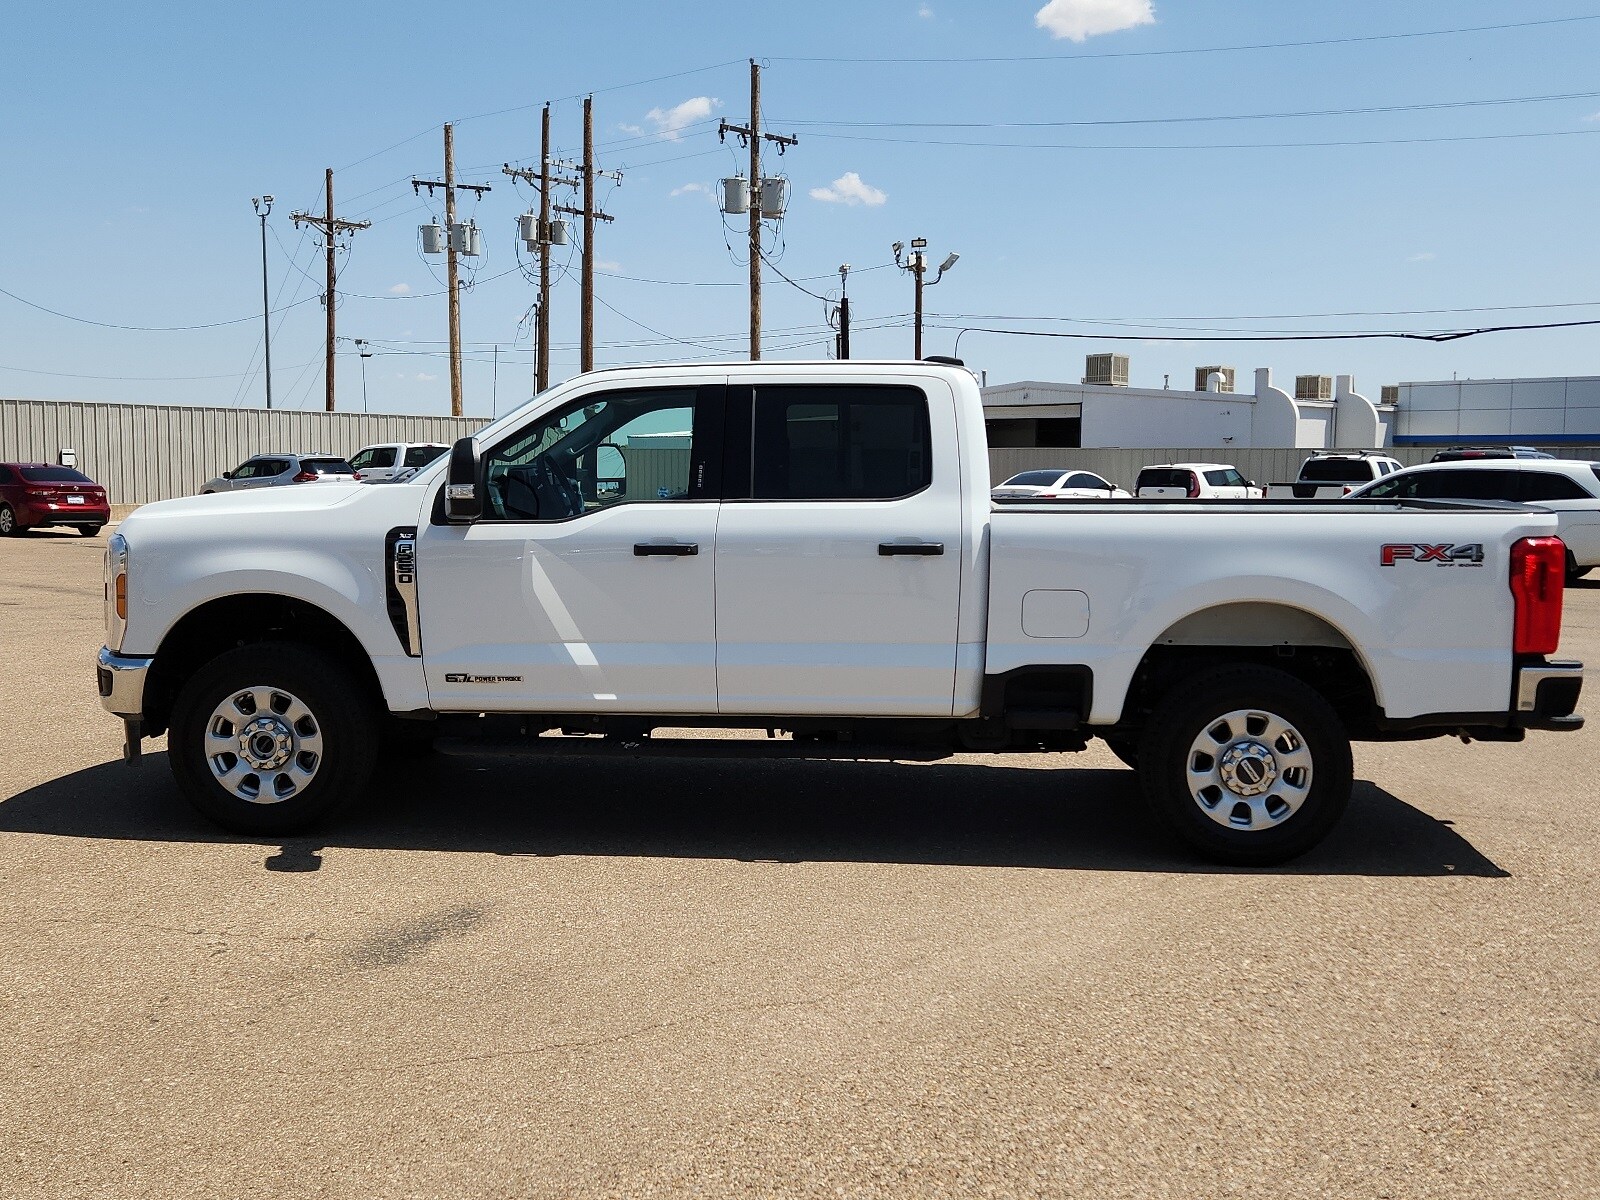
point(1520, 475)
point(36, 495)
point(390, 462)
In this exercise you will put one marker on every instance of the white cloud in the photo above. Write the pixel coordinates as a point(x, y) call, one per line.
point(1593, 117)
point(424, 377)
point(400, 289)
point(633, 129)
point(850, 189)
point(1077, 20)
point(669, 122)
point(925, 13)
point(605, 264)
point(689, 188)
point(1425, 256)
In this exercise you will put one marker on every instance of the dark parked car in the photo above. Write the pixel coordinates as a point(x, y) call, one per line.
point(33, 495)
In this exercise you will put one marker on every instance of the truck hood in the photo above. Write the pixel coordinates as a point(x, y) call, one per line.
point(260, 502)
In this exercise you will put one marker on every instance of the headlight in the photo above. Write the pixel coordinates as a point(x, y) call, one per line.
point(116, 590)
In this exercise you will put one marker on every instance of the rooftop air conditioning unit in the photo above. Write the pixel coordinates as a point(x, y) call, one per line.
point(1201, 374)
point(1313, 387)
point(1107, 370)
point(1391, 394)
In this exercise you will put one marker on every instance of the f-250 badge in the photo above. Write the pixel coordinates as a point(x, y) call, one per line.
point(1445, 554)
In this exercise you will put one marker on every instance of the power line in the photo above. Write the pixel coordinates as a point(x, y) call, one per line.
point(1259, 116)
point(138, 378)
point(146, 328)
point(1394, 312)
point(1296, 45)
point(1438, 336)
point(1406, 141)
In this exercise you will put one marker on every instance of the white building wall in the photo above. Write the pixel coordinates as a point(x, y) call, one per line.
point(1129, 417)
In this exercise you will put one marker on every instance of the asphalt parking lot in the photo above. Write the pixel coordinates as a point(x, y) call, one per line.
point(982, 977)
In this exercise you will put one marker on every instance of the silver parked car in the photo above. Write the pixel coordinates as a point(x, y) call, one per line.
point(274, 470)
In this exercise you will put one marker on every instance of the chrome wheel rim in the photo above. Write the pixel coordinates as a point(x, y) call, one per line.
point(1249, 769)
point(8, 520)
point(263, 744)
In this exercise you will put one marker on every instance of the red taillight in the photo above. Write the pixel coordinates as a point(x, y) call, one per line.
point(1194, 486)
point(358, 475)
point(305, 477)
point(1538, 576)
point(1348, 489)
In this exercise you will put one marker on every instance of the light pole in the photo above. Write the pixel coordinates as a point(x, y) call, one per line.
point(362, 348)
point(917, 264)
point(263, 206)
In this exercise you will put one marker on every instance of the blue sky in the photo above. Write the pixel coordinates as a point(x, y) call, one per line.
point(136, 137)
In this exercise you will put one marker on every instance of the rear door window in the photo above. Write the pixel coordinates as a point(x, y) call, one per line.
point(421, 456)
point(849, 442)
point(1467, 485)
point(1085, 480)
point(1548, 485)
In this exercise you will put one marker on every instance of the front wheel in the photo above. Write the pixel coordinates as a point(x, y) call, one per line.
point(8, 520)
point(1247, 764)
point(271, 738)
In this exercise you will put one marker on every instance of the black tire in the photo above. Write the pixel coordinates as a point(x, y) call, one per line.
point(90, 530)
point(8, 521)
point(344, 718)
point(1574, 571)
point(1289, 821)
point(1125, 748)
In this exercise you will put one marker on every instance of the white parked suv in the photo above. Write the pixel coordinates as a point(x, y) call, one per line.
point(1194, 481)
point(1570, 488)
point(390, 461)
point(817, 555)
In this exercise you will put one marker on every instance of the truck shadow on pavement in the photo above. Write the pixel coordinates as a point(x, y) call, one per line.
point(761, 810)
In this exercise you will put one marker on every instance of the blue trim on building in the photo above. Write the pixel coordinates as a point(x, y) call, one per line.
point(1544, 439)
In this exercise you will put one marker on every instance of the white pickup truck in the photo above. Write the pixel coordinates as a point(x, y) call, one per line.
point(811, 548)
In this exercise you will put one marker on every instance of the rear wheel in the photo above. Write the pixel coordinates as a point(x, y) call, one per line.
point(271, 738)
point(90, 530)
point(8, 520)
point(1248, 765)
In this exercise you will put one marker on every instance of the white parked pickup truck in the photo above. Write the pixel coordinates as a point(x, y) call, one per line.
point(811, 548)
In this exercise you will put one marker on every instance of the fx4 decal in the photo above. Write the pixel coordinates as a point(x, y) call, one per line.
point(1445, 554)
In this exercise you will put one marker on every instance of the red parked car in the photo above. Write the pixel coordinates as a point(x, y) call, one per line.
point(37, 494)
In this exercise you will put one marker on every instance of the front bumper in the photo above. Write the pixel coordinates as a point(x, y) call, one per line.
point(1546, 695)
point(121, 683)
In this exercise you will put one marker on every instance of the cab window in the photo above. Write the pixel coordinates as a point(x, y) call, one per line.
point(623, 447)
point(839, 443)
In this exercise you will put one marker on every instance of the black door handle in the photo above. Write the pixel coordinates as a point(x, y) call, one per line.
point(920, 549)
point(671, 549)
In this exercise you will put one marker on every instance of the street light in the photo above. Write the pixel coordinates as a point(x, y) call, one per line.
point(363, 348)
point(263, 206)
point(917, 264)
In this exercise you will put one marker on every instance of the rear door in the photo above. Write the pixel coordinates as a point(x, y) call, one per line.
point(839, 548)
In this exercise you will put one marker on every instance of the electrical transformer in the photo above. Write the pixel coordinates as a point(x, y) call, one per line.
point(774, 197)
point(736, 195)
point(432, 239)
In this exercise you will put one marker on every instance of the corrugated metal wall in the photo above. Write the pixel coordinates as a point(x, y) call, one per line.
point(1265, 466)
point(145, 452)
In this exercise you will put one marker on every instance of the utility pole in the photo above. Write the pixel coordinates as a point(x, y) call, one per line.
point(544, 236)
point(844, 312)
point(263, 207)
point(917, 264)
point(759, 201)
point(331, 227)
point(461, 239)
point(590, 215)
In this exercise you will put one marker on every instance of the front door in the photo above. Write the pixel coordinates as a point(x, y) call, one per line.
point(587, 586)
point(839, 550)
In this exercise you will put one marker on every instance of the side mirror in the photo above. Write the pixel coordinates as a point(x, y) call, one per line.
point(463, 495)
point(610, 471)
point(227, 474)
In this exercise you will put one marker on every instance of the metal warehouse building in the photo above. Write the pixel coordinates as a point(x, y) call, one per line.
point(1543, 411)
